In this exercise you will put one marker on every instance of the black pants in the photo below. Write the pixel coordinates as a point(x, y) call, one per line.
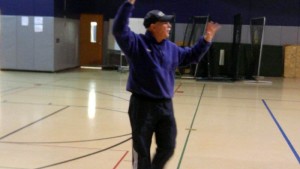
point(148, 117)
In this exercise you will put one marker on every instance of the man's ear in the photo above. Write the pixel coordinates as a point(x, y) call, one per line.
point(151, 27)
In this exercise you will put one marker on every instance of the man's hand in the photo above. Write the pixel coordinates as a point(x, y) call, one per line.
point(131, 1)
point(211, 30)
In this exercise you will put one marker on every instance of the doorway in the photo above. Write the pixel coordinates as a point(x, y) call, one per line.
point(91, 40)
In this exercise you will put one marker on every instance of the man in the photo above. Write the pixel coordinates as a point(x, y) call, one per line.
point(152, 62)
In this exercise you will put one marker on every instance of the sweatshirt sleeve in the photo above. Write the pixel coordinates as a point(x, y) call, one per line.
point(195, 53)
point(121, 31)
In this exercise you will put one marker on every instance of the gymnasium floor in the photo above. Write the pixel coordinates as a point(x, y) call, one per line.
point(78, 120)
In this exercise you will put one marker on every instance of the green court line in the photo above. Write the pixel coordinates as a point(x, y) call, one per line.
point(188, 136)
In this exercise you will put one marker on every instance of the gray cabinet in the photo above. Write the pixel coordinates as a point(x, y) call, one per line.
point(38, 43)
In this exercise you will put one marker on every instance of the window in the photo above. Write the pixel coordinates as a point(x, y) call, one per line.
point(93, 32)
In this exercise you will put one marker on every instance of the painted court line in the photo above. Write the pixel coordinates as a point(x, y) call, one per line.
point(282, 132)
point(30, 124)
point(177, 89)
point(84, 156)
point(119, 162)
point(190, 130)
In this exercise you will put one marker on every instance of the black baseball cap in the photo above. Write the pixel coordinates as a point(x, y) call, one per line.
point(155, 16)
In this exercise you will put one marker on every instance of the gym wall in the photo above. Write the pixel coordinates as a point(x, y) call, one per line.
point(283, 21)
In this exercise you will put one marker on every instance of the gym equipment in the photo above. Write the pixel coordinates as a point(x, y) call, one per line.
point(231, 63)
point(236, 47)
point(194, 30)
point(172, 33)
point(257, 26)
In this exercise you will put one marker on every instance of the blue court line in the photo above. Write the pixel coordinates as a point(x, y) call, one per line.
point(282, 132)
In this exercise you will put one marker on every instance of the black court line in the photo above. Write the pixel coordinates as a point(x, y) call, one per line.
point(84, 156)
point(16, 90)
point(87, 90)
point(70, 105)
point(3, 167)
point(191, 126)
point(70, 87)
point(30, 124)
point(9, 90)
point(64, 142)
point(282, 132)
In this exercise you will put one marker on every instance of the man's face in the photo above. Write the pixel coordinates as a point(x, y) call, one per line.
point(160, 30)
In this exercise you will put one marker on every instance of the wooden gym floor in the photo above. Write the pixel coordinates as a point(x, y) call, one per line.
point(78, 119)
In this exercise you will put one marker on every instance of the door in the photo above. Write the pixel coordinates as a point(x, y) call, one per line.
point(91, 38)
